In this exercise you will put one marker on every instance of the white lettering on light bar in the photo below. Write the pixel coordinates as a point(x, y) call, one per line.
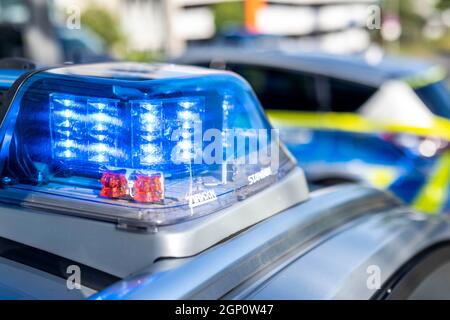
point(264, 173)
point(199, 199)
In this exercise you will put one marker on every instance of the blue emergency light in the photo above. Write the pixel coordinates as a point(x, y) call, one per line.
point(145, 144)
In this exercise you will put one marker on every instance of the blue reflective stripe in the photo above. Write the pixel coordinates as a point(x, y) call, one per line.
point(434, 195)
point(446, 208)
point(407, 187)
point(8, 76)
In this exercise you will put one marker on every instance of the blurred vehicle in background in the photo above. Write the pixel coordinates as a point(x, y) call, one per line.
point(242, 38)
point(93, 186)
point(379, 120)
point(82, 46)
point(29, 28)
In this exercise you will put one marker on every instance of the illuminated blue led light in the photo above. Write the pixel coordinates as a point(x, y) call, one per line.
point(88, 129)
point(189, 114)
point(68, 116)
point(103, 129)
point(67, 129)
point(85, 129)
point(151, 154)
point(147, 132)
point(155, 123)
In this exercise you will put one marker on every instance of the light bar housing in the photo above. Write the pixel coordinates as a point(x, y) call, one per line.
point(136, 144)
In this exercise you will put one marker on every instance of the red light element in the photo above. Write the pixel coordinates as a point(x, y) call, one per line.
point(148, 189)
point(114, 185)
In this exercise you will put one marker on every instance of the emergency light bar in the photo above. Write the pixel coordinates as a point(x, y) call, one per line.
point(136, 144)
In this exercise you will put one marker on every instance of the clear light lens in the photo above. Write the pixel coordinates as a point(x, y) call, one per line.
point(150, 147)
point(85, 129)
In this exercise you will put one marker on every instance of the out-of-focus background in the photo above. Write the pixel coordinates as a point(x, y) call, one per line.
point(143, 30)
point(326, 72)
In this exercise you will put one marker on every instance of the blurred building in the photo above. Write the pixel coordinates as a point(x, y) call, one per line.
point(169, 24)
point(333, 25)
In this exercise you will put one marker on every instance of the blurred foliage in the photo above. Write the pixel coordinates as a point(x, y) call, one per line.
point(413, 23)
point(107, 27)
point(444, 43)
point(104, 24)
point(228, 14)
point(443, 4)
point(143, 56)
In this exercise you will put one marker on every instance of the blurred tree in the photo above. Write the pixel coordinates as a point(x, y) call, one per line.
point(104, 24)
point(412, 22)
point(142, 56)
point(107, 26)
point(228, 14)
point(443, 44)
point(443, 4)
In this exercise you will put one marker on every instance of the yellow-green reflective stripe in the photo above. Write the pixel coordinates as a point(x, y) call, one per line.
point(434, 195)
point(354, 123)
point(433, 75)
point(439, 129)
point(318, 120)
point(381, 177)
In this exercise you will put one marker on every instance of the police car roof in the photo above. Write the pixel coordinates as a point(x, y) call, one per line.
point(132, 71)
point(354, 67)
point(8, 76)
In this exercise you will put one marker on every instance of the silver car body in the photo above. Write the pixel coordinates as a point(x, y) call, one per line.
point(321, 249)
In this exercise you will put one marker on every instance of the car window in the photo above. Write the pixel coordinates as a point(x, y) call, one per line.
point(281, 89)
point(426, 277)
point(348, 96)
point(436, 286)
point(291, 90)
point(13, 15)
point(11, 41)
point(436, 97)
point(14, 11)
point(30, 273)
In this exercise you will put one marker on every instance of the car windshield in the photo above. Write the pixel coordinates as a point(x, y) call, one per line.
point(437, 97)
point(13, 11)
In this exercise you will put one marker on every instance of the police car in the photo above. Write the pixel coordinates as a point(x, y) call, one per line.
point(380, 120)
point(108, 193)
point(35, 29)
